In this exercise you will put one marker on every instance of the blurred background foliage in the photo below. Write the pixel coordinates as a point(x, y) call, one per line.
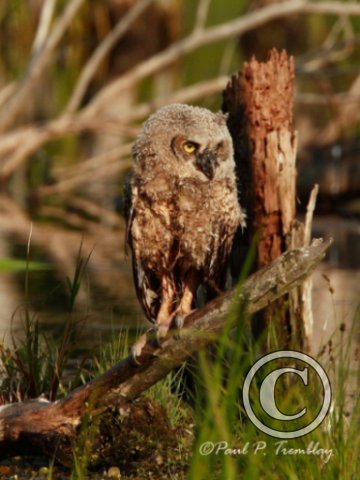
point(64, 157)
point(326, 48)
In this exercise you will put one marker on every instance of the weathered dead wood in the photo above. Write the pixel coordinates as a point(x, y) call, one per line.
point(51, 428)
point(259, 101)
point(260, 104)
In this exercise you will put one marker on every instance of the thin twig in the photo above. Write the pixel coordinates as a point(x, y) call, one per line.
point(65, 186)
point(6, 92)
point(101, 51)
point(309, 215)
point(43, 29)
point(348, 114)
point(321, 99)
point(37, 66)
point(106, 165)
point(332, 8)
point(185, 95)
point(201, 16)
point(94, 163)
point(303, 294)
point(26, 141)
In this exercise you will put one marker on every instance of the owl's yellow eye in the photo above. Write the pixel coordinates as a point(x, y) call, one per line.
point(189, 147)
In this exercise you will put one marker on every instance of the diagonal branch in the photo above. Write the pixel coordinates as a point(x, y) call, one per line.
point(201, 15)
point(50, 427)
point(43, 29)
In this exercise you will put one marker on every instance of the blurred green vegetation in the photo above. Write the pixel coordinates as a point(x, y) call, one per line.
point(12, 265)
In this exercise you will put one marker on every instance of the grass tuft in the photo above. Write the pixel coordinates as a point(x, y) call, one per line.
point(34, 366)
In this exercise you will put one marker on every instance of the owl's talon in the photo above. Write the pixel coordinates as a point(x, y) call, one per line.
point(161, 333)
point(180, 317)
point(178, 324)
point(179, 321)
point(138, 346)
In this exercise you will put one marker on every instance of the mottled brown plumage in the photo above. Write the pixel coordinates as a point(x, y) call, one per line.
point(183, 211)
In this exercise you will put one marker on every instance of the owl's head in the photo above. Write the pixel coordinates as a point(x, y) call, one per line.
point(191, 141)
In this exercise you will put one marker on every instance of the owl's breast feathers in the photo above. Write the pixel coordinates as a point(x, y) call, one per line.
point(208, 218)
point(184, 223)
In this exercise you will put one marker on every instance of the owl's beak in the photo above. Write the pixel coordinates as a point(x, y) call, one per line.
point(207, 162)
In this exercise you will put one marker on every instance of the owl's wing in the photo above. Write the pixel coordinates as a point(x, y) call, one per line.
point(128, 209)
point(146, 284)
point(147, 287)
point(219, 262)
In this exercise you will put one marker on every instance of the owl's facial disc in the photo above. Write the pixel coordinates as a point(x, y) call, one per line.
point(207, 161)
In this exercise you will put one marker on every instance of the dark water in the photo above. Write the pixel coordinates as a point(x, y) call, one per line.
point(105, 303)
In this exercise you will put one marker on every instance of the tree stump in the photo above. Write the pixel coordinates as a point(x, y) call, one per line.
point(259, 101)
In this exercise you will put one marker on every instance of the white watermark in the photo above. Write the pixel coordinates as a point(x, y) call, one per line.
point(267, 399)
point(280, 449)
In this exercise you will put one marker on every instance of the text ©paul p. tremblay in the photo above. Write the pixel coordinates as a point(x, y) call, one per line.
point(279, 448)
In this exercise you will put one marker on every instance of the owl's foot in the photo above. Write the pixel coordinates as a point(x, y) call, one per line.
point(162, 330)
point(138, 346)
point(159, 332)
point(185, 306)
point(175, 321)
point(179, 320)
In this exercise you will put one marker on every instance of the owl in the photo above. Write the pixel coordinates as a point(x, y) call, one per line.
point(183, 211)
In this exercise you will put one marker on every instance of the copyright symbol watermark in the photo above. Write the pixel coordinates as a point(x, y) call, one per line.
point(206, 448)
point(307, 370)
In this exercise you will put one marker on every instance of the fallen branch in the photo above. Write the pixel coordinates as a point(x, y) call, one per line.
point(43, 427)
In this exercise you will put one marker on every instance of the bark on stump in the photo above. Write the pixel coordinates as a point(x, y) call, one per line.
point(259, 101)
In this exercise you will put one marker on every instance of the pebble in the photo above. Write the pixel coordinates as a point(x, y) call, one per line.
point(114, 472)
point(44, 472)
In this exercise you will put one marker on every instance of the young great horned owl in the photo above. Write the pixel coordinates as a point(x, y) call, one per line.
point(184, 210)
